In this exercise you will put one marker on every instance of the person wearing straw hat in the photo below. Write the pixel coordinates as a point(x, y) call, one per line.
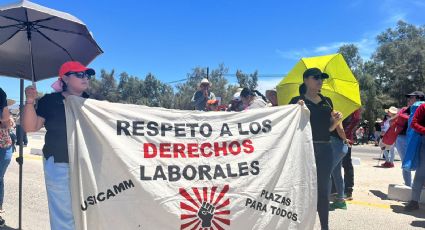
point(388, 148)
point(50, 113)
point(200, 97)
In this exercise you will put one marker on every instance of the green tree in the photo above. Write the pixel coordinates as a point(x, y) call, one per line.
point(367, 85)
point(247, 80)
point(105, 88)
point(400, 61)
point(157, 93)
point(130, 89)
point(220, 86)
point(351, 54)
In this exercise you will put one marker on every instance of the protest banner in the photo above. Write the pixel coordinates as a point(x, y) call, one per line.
point(137, 167)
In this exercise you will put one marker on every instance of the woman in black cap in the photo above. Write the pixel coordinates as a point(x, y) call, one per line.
point(323, 120)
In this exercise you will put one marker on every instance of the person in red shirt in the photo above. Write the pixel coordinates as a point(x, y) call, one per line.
point(418, 124)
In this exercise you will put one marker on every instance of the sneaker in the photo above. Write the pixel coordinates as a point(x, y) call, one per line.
point(389, 165)
point(348, 196)
point(411, 206)
point(338, 205)
point(332, 197)
point(385, 164)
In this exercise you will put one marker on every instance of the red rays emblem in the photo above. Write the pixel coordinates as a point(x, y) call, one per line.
point(207, 211)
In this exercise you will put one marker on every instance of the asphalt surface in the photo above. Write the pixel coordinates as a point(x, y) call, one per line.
point(370, 208)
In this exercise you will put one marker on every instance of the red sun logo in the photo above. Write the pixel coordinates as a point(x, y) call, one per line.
point(207, 211)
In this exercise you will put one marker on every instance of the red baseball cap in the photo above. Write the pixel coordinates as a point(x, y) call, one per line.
point(74, 66)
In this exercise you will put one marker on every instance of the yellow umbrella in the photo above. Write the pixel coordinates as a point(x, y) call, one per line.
point(341, 86)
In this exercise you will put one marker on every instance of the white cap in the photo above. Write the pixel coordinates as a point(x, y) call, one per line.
point(237, 96)
point(205, 81)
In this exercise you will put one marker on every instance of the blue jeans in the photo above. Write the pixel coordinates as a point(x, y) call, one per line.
point(419, 180)
point(401, 145)
point(58, 195)
point(323, 155)
point(389, 154)
point(5, 156)
point(338, 155)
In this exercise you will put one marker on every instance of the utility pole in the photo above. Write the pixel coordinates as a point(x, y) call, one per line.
point(208, 72)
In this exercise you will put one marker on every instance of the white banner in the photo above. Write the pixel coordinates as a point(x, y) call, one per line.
point(137, 167)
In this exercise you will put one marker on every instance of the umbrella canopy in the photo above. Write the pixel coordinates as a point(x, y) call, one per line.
point(35, 41)
point(341, 86)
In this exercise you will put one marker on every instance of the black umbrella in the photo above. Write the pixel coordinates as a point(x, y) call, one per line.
point(34, 42)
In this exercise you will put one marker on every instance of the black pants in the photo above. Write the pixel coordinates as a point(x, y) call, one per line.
point(324, 159)
point(348, 173)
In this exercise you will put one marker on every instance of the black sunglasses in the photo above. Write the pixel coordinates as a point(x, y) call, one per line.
point(80, 75)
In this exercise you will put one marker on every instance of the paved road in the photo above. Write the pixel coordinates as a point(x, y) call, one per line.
point(369, 210)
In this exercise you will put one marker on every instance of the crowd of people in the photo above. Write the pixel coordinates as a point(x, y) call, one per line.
point(333, 136)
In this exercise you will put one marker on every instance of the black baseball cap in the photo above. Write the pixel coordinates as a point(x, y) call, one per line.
point(314, 72)
point(418, 94)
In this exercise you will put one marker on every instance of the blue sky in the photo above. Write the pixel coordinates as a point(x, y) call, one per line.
point(169, 38)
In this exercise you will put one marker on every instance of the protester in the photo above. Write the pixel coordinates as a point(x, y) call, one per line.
point(360, 134)
point(340, 145)
point(200, 97)
point(323, 120)
point(74, 79)
point(6, 151)
point(389, 149)
point(350, 123)
point(366, 135)
point(271, 96)
point(418, 124)
point(401, 141)
point(250, 99)
point(377, 133)
point(236, 103)
point(6, 145)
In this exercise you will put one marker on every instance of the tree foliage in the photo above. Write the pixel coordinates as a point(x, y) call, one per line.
point(400, 61)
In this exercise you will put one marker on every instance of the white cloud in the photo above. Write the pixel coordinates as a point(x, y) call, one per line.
point(266, 84)
point(292, 55)
point(395, 10)
point(366, 47)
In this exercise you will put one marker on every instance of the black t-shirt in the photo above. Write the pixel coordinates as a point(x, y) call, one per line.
point(51, 108)
point(3, 101)
point(378, 126)
point(320, 116)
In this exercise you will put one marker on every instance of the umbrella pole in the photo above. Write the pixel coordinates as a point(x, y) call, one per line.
point(20, 159)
